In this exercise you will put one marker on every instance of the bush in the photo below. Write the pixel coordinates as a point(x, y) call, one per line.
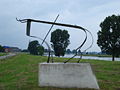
point(35, 48)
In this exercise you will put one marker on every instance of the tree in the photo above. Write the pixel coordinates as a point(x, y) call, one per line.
point(1, 49)
point(60, 41)
point(68, 51)
point(109, 36)
point(74, 51)
point(40, 50)
point(25, 50)
point(35, 48)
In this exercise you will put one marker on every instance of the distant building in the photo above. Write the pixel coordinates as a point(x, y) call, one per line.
point(11, 49)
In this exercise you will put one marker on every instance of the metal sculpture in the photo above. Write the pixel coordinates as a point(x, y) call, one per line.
point(29, 21)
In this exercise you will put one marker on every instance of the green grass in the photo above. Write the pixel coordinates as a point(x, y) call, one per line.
point(2, 54)
point(21, 73)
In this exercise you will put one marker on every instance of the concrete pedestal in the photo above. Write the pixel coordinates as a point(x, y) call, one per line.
point(69, 75)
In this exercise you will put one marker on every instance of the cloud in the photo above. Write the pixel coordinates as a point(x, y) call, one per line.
point(86, 13)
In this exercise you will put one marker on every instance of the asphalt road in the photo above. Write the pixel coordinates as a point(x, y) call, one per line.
point(7, 56)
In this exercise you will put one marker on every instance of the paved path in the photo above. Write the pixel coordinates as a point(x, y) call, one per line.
point(6, 56)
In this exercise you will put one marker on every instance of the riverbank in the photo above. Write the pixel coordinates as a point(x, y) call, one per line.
point(21, 73)
point(97, 55)
point(92, 57)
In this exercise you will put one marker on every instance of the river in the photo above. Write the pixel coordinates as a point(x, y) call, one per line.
point(93, 57)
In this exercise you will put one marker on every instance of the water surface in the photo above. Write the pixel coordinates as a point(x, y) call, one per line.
point(93, 57)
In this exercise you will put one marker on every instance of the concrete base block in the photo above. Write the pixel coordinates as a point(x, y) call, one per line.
point(69, 75)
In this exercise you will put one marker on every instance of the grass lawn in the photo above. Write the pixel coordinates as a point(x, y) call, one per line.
point(21, 73)
point(2, 54)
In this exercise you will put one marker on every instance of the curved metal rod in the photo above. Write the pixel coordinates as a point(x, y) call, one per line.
point(92, 41)
point(78, 48)
point(22, 21)
point(80, 56)
point(47, 46)
point(61, 24)
point(81, 46)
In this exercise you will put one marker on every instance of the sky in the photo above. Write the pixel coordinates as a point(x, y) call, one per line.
point(85, 13)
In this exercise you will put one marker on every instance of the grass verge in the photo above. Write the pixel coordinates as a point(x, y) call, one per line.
point(21, 73)
point(3, 54)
